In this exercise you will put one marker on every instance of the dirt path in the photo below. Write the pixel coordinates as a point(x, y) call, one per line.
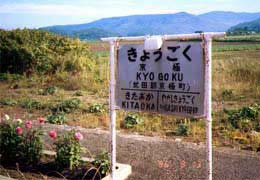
point(154, 158)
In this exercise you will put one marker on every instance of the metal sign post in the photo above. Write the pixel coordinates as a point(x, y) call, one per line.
point(112, 110)
point(202, 110)
point(208, 85)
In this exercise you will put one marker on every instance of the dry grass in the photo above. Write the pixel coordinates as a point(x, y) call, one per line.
point(238, 71)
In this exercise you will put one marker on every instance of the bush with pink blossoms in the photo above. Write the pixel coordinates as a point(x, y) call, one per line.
point(20, 142)
point(68, 149)
point(32, 146)
point(11, 139)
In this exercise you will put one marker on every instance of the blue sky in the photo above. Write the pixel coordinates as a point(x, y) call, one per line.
point(38, 13)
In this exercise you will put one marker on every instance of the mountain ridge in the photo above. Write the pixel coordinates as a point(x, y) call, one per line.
point(154, 24)
point(246, 27)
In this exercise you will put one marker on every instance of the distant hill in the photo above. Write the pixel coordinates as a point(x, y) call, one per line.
point(229, 19)
point(246, 27)
point(84, 34)
point(93, 33)
point(156, 24)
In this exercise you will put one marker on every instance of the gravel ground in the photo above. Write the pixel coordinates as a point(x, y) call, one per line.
point(155, 158)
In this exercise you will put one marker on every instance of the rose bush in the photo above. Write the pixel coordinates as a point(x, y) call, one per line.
point(10, 140)
point(19, 141)
point(68, 149)
point(22, 142)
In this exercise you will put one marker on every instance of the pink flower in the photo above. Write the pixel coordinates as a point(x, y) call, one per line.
point(19, 130)
point(28, 124)
point(53, 134)
point(41, 120)
point(78, 136)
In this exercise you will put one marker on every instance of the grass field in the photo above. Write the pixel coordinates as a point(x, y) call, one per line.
point(236, 84)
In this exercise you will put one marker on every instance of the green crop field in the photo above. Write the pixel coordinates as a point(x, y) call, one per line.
point(77, 93)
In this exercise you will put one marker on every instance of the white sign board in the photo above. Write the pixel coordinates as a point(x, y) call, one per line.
point(168, 80)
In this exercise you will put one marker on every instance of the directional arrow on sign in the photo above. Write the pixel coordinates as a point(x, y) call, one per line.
point(185, 52)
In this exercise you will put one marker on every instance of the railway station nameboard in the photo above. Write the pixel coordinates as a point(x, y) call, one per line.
point(168, 80)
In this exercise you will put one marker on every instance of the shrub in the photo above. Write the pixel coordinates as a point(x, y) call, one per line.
point(250, 112)
point(183, 130)
point(57, 118)
point(35, 51)
point(102, 162)
point(10, 141)
point(10, 77)
point(95, 108)
point(4, 77)
point(245, 119)
point(68, 150)
point(32, 145)
point(132, 120)
point(20, 142)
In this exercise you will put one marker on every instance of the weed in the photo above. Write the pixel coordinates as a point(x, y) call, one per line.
point(8, 102)
point(66, 106)
point(96, 108)
point(57, 118)
point(245, 119)
point(227, 94)
point(50, 90)
point(132, 120)
point(102, 162)
point(78, 93)
point(183, 130)
point(31, 104)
